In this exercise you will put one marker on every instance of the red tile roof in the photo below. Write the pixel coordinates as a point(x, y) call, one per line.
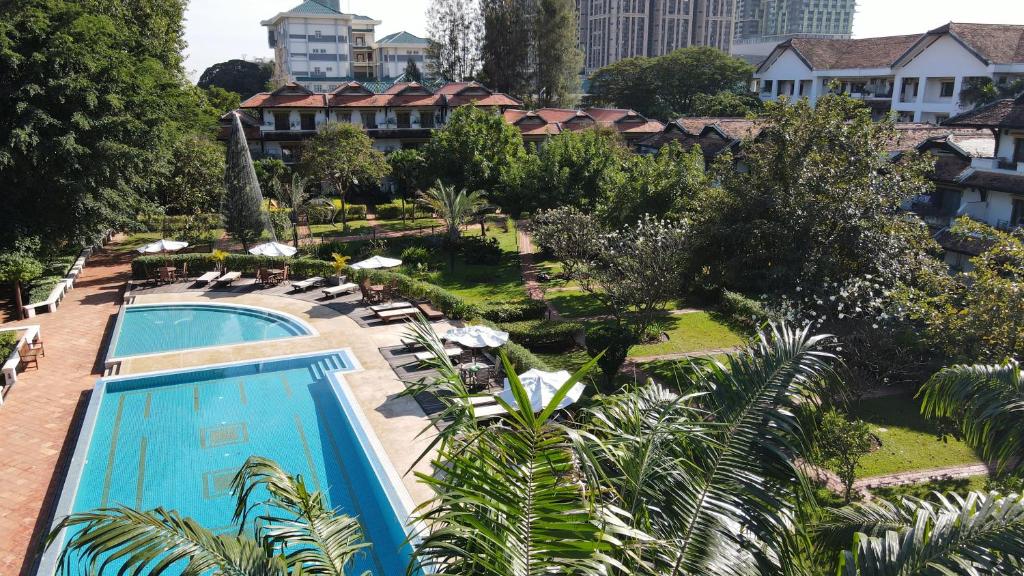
point(835, 54)
point(997, 43)
point(265, 100)
point(1007, 113)
point(557, 120)
point(496, 99)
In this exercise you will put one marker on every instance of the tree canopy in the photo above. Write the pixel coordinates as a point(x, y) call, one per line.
point(342, 155)
point(472, 149)
point(240, 76)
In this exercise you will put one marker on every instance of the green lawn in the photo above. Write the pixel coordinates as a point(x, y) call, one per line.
point(483, 284)
point(692, 332)
point(924, 490)
point(355, 228)
point(909, 442)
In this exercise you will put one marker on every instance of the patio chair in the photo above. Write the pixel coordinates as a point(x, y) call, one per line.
point(29, 355)
point(167, 276)
point(429, 311)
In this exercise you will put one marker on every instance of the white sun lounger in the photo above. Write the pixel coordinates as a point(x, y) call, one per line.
point(390, 306)
point(306, 284)
point(428, 355)
point(396, 313)
point(227, 278)
point(208, 277)
point(486, 412)
point(332, 291)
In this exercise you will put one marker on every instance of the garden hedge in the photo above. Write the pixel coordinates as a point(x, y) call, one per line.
point(393, 210)
point(548, 335)
point(199, 263)
point(8, 342)
point(514, 311)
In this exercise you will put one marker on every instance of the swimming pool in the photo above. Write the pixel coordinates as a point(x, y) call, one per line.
point(156, 328)
point(175, 439)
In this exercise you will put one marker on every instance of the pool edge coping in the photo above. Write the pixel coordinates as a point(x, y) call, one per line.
point(110, 359)
point(398, 495)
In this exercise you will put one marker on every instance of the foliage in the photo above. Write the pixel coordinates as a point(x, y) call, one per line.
point(516, 311)
point(342, 155)
point(986, 403)
point(199, 262)
point(240, 76)
point(508, 45)
point(94, 95)
point(614, 342)
point(454, 29)
point(451, 305)
point(978, 316)
point(633, 272)
point(281, 223)
point(195, 182)
point(415, 257)
point(666, 184)
point(725, 104)
point(339, 262)
point(412, 72)
point(472, 148)
point(454, 207)
point(481, 251)
point(543, 335)
point(981, 90)
point(558, 59)
point(273, 175)
point(8, 342)
point(242, 208)
point(667, 86)
point(394, 211)
point(297, 532)
point(407, 168)
point(17, 267)
point(840, 444)
point(221, 100)
point(745, 313)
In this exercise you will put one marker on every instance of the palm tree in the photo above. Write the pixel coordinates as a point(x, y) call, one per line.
point(298, 534)
point(453, 206)
point(987, 404)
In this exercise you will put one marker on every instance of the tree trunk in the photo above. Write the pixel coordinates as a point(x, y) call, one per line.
point(403, 210)
point(17, 300)
point(483, 228)
point(295, 235)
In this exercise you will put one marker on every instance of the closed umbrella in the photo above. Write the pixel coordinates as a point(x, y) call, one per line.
point(272, 249)
point(477, 336)
point(162, 245)
point(376, 262)
point(541, 387)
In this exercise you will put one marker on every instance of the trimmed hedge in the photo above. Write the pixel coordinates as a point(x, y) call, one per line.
point(742, 312)
point(393, 210)
point(453, 306)
point(548, 335)
point(244, 263)
point(515, 310)
point(8, 342)
point(520, 357)
point(41, 288)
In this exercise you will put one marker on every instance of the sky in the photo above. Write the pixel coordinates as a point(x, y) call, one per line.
point(219, 30)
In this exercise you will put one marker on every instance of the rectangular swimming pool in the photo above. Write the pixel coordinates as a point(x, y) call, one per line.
point(176, 439)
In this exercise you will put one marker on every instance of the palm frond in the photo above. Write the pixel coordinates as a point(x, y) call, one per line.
point(987, 402)
point(156, 542)
point(981, 534)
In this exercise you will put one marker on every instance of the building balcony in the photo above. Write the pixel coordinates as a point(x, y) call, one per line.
point(997, 164)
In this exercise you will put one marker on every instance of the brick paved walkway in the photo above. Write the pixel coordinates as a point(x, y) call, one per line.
point(40, 416)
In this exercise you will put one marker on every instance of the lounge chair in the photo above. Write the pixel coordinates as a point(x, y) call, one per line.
point(208, 277)
point(428, 355)
point(303, 285)
point(488, 411)
point(429, 311)
point(227, 278)
point(332, 291)
point(390, 306)
point(396, 314)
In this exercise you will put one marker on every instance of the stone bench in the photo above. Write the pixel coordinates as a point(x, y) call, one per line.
point(56, 295)
point(10, 365)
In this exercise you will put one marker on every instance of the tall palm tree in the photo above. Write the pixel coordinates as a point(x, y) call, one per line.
point(299, 534)
point(987, 403)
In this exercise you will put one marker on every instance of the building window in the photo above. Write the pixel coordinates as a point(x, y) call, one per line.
point(281, 121)
point(426, 119)
point(946, 90)
point(317, 34)
point(1018, 150)
point(307, 121)
point(766, 87)
point(344, 117)
point(403, 119)
point(369, 118)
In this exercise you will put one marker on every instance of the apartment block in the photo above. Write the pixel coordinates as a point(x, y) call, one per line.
point(611, 30)
point(761, 24)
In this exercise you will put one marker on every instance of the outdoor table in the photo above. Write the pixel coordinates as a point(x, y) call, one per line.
point(470, 370)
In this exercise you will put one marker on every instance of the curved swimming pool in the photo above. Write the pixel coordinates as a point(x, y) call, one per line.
point(158, 328)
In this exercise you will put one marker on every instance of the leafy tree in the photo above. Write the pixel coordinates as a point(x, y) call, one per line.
point(222, 100)
point(407, 168)
point(725, 104)
point(628, 83)
point(92, 97)
point(841, 443)
point(412, 72)
point(17, 267)
point(297, 532)
point(342, 155)
point(508, 45)
point(273, 174)
point(454, 29)
point(559, 60)
point(612, 343)
point(239, 76)
point(195, 184)
point(981, 90)
point(242, 208)
point(666, 184)
point(472, 148)
point(986, 402)
point(634, 272)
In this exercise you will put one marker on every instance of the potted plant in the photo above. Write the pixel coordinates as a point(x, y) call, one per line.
point(339, 263)
point(218, 257)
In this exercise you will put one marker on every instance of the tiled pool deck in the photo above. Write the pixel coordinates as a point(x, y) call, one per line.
point(41, 414)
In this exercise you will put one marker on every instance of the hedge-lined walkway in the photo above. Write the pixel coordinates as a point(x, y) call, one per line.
point(40, 415)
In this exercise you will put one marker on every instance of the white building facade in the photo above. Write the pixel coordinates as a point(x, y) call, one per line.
point(920, 78)
point(395, 51)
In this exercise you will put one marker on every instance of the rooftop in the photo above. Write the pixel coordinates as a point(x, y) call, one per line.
point(1006, 113)
point(402, 37)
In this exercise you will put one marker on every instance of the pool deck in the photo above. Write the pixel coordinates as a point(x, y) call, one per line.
point(42, 414)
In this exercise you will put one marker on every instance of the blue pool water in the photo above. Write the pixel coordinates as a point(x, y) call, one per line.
point(176, 440)
point(149, 329)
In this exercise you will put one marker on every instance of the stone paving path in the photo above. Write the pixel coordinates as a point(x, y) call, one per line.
point(41, 413)
point(530, 282)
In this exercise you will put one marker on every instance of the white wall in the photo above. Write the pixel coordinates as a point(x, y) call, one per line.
point(788, 66)
point(943, 59)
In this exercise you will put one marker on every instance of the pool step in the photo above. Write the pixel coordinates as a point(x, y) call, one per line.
point(112, 369)
point(323, 366)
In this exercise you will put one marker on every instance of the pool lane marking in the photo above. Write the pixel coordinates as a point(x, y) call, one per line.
point(195, 398)
point(309, 454)
point(241, 392)
point(149, 403)
point(348, 486)
point(140, 482)
point(287, 387)
point(114, 433)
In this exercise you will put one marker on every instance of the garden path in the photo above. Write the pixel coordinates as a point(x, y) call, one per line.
point(533, 288)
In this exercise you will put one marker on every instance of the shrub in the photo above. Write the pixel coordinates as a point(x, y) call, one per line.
point(355, 211)
point(393, 210)
point(8, 342)
point(41, 287)
point(319, 214)
point(544, 335)
point(453, 306)
point(514, 311)
point(522, 359)
point(478, 250)
point(245, 263)
point(615, 342)
point(742, 312)
point(281, 223)
point(414, 256)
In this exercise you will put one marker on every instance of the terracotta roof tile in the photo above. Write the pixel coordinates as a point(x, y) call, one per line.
point(997, 43)
point(834, 54)
point(1008, 113)
point(265, 100)
point(999, 181)
point(490, 100)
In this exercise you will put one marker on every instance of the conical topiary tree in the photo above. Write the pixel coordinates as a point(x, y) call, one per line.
point(243, 201)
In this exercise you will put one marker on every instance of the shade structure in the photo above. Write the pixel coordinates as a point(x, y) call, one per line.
point(376, 262)
point(477, 336)
point(162, 245)
point(273, 249)
point(541, 387)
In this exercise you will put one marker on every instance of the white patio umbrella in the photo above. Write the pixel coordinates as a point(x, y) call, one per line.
point(376, 262)
point(477, 336)
point(272, 249)
point(162, 245)
point(541, 387)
